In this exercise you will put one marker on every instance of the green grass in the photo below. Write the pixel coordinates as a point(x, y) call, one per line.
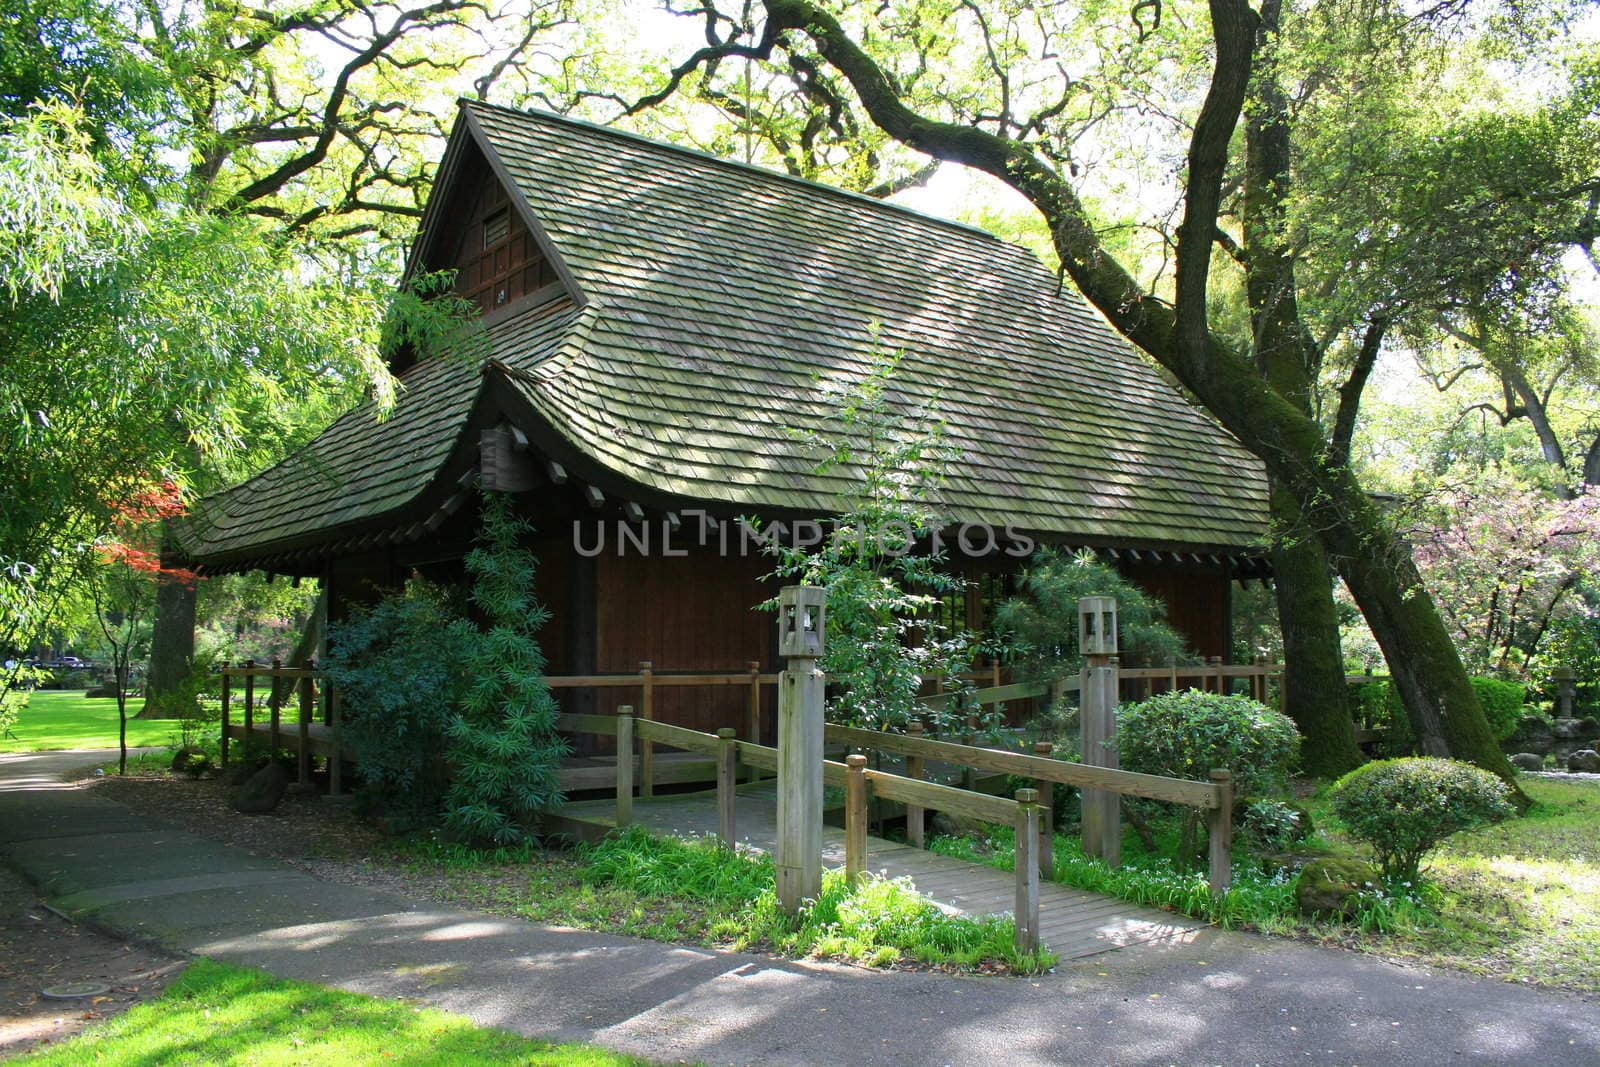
point(698, 891)
point(56, 718)
point(219, 1014)
point(1519, 900)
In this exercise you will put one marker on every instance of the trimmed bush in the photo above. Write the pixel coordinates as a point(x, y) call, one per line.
point(1378, 707)
point(1502, 704)
point(1186, 734)
point(1403, 808)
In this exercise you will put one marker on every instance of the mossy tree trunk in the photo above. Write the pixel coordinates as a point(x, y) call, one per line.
point(1177, 333)
point(171, 647)
point(1314, 691)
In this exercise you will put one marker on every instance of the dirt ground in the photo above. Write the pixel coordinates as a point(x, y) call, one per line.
point(39, 949)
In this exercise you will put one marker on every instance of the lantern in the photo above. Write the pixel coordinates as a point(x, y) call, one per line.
point(802, 620)
point(1097, 626)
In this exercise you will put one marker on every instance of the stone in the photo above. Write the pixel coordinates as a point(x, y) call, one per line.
point(1528, 761)
point(1567, 728)
point(1331, 887)
point(189, 758)
point(1589, 728)
point(262, 791)
point(1584, 761)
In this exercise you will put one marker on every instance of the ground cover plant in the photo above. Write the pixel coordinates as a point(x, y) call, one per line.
point(1518, 900)
point(219, 1014)
point(57, 719)
point(697, 890)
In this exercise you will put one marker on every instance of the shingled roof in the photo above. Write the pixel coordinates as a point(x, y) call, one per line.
point(715, 307)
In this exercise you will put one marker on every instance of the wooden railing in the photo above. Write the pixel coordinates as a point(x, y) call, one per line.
point(303, 689)
point(1213, 797)
point(1211, 676)
point(1029, 817)
point(647, 680)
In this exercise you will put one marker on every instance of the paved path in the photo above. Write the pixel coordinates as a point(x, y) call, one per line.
point(1236, 1000)
point(1073, 923)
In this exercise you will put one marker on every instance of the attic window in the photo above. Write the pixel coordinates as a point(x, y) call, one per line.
point(496, 227)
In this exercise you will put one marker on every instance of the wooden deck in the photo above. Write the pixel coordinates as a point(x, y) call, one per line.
point(1073, 923)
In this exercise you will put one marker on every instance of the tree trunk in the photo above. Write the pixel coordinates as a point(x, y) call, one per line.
point(1442, 706)
point(171, 648)
point(1314, 691)
point(1293, 447)
point(305, 649)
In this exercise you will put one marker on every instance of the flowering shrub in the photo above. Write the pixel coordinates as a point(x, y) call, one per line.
point(1404, 808)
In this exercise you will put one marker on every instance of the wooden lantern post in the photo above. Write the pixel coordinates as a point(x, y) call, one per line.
point(1097, 724)
point(801, 624)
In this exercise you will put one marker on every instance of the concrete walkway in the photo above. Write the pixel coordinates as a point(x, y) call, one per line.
point(1236, 999)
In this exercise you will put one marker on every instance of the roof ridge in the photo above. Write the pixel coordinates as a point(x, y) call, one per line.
point(748, 168)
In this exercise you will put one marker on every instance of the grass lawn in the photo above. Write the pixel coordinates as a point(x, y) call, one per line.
point(57, 718)
point(1520, 900)
point(219, 1014)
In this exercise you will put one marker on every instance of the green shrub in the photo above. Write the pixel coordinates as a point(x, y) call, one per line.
point(1379, 707)
point(1403, 808)
point(504, 752)
point(397, 668)
point(1273, 825)
point(1186, 734)
point(1502, 704)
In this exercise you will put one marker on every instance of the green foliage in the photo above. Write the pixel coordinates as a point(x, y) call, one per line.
point(1378, 707)
point(1271, 825)
point(877, 922)
point(885, 642)
point(1502, 704)
point(1404, 808)
point(504, 751)
point(1187, 734)
point(397, 666)
point(699, 868)
point(1042, 624)
point(1574, 642)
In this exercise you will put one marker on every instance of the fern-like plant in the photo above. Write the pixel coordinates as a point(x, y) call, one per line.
point(503, 747)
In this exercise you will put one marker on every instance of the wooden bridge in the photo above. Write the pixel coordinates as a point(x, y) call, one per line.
point(742, 809)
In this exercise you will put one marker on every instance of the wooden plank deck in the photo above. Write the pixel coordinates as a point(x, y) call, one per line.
point(1072, 923)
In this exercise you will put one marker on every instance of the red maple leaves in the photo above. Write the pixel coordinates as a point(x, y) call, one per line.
point(135, 530)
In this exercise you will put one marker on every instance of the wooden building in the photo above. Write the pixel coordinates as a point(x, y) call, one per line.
point(657, 325)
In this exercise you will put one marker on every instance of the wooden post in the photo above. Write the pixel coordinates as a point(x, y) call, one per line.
point(1219, 683)
point(1047, 803)
point(799, 849)
point(727, 782)
point(275, 708)
point(223, 750)
point(647, 749)
point(855, 818)
point(802, 626)
point(1026, 868)
point(303, 756)
point(755, 713)
point(335, 749)
point(916, 815)
point(249, 704)
point(1097, 731)
point(624, 765)
point(1219, 831)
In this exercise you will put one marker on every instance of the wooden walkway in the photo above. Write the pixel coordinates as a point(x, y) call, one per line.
point(1073, 923)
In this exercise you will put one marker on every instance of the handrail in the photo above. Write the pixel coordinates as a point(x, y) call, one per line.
point(1041, 768)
